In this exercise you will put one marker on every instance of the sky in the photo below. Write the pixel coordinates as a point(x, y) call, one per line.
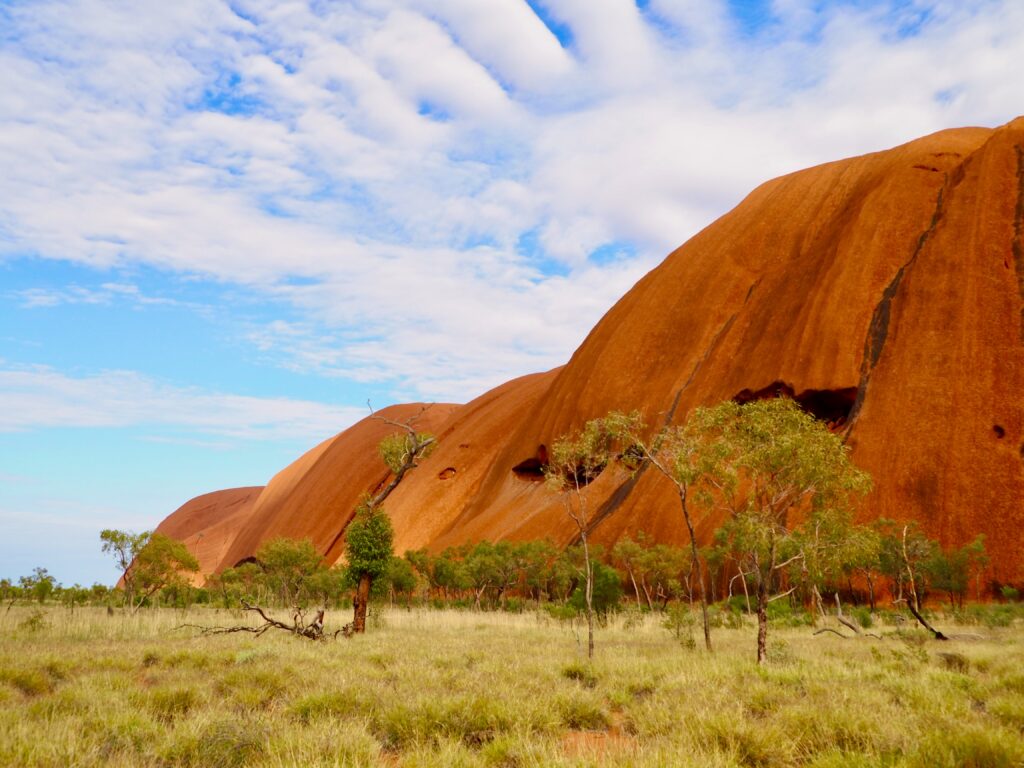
point(227, 225)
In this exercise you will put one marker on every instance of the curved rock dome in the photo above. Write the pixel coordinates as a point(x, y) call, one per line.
point(884, 292)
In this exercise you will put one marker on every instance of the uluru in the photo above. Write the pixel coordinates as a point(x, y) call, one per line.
point(884, 293)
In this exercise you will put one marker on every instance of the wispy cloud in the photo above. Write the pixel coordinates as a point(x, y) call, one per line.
point(427, 182)
point(39, 397)
point(105, 294)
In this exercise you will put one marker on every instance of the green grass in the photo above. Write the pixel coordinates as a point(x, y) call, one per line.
point(447, 688)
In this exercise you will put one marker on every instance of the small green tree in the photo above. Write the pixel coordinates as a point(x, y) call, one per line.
point(576, 460)
point(39, 586)
point(951, 570)
point(402, 579)
point(159, 564)
point(369, 537)
point(773, 465)
point(124, 547)
point(295, 574)
point(904, 554)
point(369, 542)
point(833, 548)
point(689, 456)
point(606, 591)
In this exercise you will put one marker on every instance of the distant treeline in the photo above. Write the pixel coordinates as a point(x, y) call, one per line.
point(513, 575)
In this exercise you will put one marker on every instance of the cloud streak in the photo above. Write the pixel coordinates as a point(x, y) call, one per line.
point(430, 186)
point(40, 397)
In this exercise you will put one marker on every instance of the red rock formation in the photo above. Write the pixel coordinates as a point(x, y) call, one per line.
point(209, 523)
point(315, 496)
point(885, 292)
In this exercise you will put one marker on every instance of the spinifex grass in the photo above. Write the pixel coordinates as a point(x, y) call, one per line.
point(448, 688)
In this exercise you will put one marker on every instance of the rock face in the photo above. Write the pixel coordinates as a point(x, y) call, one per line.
point(208, 524)
point(884, 292)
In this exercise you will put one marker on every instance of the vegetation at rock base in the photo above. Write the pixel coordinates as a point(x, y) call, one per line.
point(845, 679)
point(149, 562)
point(89, 689)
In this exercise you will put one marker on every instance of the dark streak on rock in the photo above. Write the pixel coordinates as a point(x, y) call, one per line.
point(878, 330)
point(622, 492)
point(1018, 234)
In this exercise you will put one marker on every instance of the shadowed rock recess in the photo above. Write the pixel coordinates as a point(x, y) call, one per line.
point(885, 293)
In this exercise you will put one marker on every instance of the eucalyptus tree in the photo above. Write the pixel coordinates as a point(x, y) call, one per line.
point(777, 469)
point(369, 537)
point(575, 460)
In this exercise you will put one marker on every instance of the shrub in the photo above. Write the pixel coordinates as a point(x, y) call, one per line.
point(36, 622)
point(166, 705)
point(31, 682)
point(862, 615)
point(332, 704)
point(582, 714)
point(581, 673)
point(221, 744)
point(680, 621)
point(969, 747)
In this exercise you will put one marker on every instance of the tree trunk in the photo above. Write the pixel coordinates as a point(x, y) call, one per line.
point(762, 621)
point(589, 594)
point(695, 559)
point(871, 591)
point(636, 589)
point(746, 594)
point(924, 623)
point(647, 593)
point(359, 603)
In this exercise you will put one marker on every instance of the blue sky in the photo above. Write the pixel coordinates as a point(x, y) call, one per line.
point(226, 225)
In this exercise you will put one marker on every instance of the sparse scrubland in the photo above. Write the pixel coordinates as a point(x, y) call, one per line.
point(488, 688)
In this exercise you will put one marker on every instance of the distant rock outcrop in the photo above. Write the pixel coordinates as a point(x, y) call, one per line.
point(884, 292)
point(209, 523)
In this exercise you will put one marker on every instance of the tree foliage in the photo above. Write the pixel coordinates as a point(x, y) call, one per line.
point(369, 542)
point(161, 562)
point(780, 475)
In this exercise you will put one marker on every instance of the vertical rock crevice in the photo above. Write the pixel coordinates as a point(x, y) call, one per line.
point(878, 329)
point(1018, 235)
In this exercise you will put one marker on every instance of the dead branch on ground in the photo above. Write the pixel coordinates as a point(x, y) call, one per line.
point(314, 630)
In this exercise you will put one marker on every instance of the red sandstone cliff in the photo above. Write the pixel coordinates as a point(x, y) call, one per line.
point(886, 292)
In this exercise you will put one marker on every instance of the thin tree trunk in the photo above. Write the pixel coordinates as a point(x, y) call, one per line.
point(746, 594)
point(762, 621)
point(695, 555)
point(647, 593)
point(636, 589)
point(362, 599)
point(924, 623)
point(589, 595)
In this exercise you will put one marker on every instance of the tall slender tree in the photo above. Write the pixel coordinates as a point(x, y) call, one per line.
point(575, 460)
point(369, 537)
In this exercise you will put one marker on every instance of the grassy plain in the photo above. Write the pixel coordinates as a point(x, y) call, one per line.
point(447, 688)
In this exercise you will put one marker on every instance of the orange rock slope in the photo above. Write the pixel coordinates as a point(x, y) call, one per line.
point(885, 292)
point(209, 523)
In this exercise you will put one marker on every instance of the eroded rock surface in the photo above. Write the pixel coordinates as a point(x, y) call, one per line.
point(884, 292)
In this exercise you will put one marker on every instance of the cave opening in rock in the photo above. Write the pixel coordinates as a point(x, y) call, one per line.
point(534, 468)
point(1000, 432)
point(531, 469)
point(831, 406)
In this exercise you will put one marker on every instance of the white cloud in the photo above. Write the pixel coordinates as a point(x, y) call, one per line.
point(437, 174)
point(40, 397)
point(105, 293)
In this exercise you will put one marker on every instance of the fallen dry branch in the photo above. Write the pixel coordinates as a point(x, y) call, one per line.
point(833, 631)
point(312, 631)
point(921, 619)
